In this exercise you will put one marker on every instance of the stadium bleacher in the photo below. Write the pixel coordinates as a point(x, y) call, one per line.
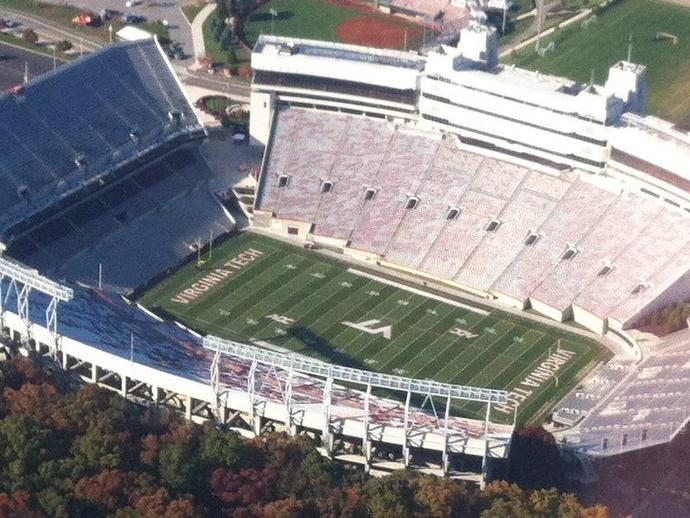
point(86, 122)
point(555, 241)
point(648, 408)
point(107, 322)
point(153, 228)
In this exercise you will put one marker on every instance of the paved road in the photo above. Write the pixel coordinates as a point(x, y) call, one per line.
point(12, 62)
point(47, 31)
point(152, 10)
point(235, 88)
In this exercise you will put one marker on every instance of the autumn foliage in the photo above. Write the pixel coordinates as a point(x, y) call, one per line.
point(85, 452)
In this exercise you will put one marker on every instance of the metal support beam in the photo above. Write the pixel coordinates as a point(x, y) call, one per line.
point(188, 402)
point(406, 439)
point(291, 430)
point(482, 482)
point(255, 420)
point(366, 442)
point(326, 434)
point(361, 377)
point(31, 278)
point(23, 308)
point(2, 302)
point(446, 453)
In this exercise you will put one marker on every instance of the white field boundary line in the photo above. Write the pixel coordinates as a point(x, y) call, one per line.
point(547, 32)
point(416, 291)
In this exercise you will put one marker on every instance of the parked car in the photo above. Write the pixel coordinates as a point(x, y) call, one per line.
point(9, 23)
point(133, 18)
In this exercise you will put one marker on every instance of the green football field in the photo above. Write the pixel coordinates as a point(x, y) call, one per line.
point(259, 289)
point(596, 44)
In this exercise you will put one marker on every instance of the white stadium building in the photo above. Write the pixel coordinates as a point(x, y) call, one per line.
point(538, 192)
point(534, 190)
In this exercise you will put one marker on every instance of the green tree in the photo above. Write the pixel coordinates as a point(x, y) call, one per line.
point(224, 448)
point(391, 496)
point(23, 447)
point(64, 45)
point(221, 11)
point(226, 38)
point(178, 467)
point(30, 36)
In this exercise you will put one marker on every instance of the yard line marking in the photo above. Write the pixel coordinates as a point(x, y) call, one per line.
point(418, 291)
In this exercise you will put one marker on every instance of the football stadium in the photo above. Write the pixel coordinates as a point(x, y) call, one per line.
point(437, 248)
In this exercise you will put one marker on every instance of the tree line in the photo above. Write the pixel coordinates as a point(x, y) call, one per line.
point(80, 451)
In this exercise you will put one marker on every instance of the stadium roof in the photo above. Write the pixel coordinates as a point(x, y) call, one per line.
point(80, 123)
point(267, 44)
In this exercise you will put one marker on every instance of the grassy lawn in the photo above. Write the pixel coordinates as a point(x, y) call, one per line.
point(312, 19)
point(62, 15)
point(301, 301)
point(191, 10)
point(580, 50)
point(20, 42)
point(216, 53)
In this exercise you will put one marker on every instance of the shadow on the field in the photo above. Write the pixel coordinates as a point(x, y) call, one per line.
point(266, 17)
point(323, 348)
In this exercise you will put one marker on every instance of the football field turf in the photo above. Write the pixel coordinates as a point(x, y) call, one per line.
point(260, 289)
point(593, 45)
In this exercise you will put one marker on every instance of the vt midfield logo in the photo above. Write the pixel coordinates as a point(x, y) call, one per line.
point(366, 327)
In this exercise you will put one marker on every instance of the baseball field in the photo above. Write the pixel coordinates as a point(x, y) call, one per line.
point(332, 20)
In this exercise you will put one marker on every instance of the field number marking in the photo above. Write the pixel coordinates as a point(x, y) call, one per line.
point(281, 319)
point(462, 333)
point(365, 327)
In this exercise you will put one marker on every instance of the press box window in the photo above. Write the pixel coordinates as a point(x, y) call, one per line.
point(493, 226)
point(326, 187)
point(532, 239)
point(283, 181)
point(569, 254)
point(452, 213)
point(605, 270)
point(412, 203)
point(639, 288)
point(369, 194)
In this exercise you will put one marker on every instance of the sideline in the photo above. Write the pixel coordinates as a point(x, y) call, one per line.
point(418, 291)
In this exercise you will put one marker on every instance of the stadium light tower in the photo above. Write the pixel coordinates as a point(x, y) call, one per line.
point(331, 373)
point(22, 281)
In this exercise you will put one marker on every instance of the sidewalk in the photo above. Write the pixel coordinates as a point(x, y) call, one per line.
point(198, 33)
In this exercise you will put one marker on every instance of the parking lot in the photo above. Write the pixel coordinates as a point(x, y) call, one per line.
point(12, 63)
point(151, 10)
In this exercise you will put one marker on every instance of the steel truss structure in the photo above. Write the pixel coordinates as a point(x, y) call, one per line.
point(331, 373)
point(22, 281)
